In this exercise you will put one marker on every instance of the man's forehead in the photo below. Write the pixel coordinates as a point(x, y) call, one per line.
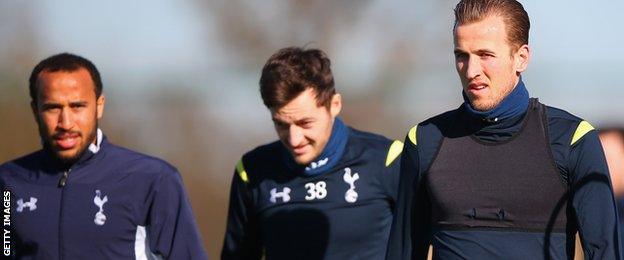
point(292, 113)
point(305, 104)
point(486, 35)
point(75, 85)
point(65, 78)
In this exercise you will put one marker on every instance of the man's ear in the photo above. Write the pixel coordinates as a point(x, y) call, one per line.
point(522, 57)
point(336, 105)
point(35, 110)
point(100, 102)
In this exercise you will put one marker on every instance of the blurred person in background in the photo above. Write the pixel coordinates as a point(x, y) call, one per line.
point(323, 190)
point(502, 176)
point(82, 197)
point(612, 140)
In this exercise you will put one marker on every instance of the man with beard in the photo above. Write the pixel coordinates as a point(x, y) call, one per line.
point(324, 190)
point(82, 197)
point(503, 176)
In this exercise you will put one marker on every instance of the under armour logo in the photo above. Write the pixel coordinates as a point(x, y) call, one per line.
point(350, 196)
point(317, 164)
point(284, 195)
point(100, 218)
point(31, 205)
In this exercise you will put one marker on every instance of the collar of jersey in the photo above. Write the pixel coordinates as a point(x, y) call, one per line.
point(329, 157)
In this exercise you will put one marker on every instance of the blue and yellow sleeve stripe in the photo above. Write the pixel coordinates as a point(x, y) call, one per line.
point(411, 135)
point(395, 150)
point(242, 173)
point(581, 130)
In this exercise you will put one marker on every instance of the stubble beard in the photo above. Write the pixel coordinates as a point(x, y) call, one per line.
point(67, 160)
point(490, 103)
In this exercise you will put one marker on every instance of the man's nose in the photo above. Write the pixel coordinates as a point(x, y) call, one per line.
point(66, 121)
point(473, 68)
point(295, 136)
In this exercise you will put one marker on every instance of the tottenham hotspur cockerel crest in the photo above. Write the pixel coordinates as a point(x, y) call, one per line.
point(351, 195)
point(100, 218)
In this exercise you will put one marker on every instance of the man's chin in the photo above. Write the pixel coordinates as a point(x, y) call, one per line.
point(67, 158)
point(482, 105)
point(302, 160)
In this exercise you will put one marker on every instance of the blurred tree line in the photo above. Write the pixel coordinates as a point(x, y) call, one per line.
point(173, 120)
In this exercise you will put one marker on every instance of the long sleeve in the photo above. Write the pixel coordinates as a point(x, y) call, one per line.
point(242, 239)
point(171, 230)
point(410, 234)
point(592, 199)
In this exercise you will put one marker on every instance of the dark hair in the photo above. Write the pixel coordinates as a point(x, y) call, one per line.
point(515, 17)
point(64, 62)
point(290, 71)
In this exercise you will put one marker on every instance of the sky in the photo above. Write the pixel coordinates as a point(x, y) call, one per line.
point(145, 44)
point(181, 77)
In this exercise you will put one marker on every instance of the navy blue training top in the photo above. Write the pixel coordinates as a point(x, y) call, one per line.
point(344, 212)
point(579, 158)
point(112, 204)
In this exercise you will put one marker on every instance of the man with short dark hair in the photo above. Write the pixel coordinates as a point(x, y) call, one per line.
point(502, 176)
point(324, 190)
point(82, 197)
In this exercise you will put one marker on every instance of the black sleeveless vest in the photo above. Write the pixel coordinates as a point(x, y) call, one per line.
point(510, 185)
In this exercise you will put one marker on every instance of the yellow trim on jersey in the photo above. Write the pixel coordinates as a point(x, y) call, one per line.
point(412, 134)
point(241, 171)
point(583, 128)
point(395, 150)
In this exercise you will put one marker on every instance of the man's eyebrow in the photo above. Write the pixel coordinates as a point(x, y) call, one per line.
point(51, 105)
point(304, 120)
point(480, 51)
point(458, 51)
point(298, 121)
point(78, 103)
point(277, 120)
